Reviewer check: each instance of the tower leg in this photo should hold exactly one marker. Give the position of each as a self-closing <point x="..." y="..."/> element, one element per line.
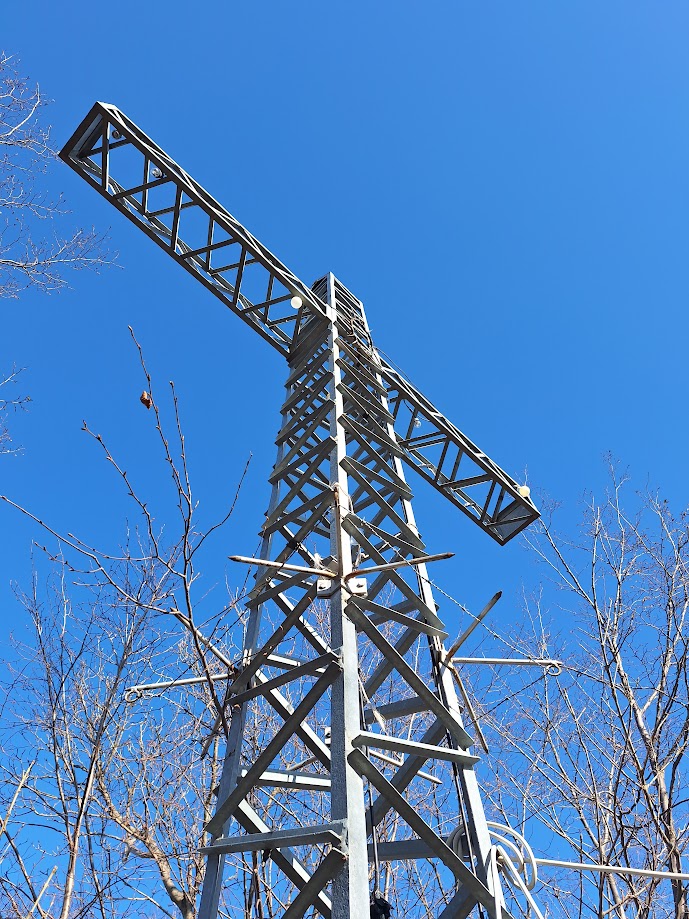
<point x="350" y="889"/>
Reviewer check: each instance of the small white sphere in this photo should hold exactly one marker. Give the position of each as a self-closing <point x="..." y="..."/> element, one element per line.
<point x="296" y="302"/>
<point x="524" y="491"/>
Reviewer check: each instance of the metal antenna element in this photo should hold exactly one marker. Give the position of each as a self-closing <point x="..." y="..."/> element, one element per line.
<point x="343" y="668"/>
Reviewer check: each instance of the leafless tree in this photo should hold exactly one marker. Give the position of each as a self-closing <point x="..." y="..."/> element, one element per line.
<point x="112" y="813"/>
<point x="36" y="248"/>
<point x="118" y="794"/>
<point x="595" y="759"/>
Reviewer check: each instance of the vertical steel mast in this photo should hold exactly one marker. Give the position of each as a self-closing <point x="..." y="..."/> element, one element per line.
<point x="344" y="718"/>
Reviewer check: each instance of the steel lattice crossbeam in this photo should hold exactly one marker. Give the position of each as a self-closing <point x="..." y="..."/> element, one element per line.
<point x="343" y="680"/>
<point x="145" y="184"/>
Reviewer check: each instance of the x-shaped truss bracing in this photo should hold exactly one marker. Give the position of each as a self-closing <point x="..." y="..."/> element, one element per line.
<point x="340" y="502"/>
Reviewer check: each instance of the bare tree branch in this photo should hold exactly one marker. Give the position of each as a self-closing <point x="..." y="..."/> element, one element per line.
<point x="35" y="250"/>
<point x="597" y="756"/>
<point x="9" y="402"/>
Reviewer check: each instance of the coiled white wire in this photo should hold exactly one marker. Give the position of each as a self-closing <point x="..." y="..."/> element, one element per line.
<point x="511" y="854"/>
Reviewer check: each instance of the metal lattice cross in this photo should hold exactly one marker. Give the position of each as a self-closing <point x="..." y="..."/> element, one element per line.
<point x="345" y="688"/>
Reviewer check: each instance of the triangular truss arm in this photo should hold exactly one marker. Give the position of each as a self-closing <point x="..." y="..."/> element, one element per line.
<point x="145" y="184"/>
<point x="151" y="189"/>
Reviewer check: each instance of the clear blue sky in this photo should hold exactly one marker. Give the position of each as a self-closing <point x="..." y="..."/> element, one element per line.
<point x="505" y="185"/>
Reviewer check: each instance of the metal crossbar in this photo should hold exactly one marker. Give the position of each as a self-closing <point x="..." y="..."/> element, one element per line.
<point x="179" y="215"/>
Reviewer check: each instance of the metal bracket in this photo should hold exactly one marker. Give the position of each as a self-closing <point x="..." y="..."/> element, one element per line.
<point x="326" y="587"/>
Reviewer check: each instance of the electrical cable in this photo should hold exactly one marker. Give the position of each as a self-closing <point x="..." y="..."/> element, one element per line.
<point x="376" y="863"/>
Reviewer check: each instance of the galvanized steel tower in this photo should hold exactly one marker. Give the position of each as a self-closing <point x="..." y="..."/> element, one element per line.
<point x="343" y="707"/>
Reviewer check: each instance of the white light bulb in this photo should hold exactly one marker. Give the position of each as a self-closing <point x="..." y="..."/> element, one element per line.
<point x="417" y="422"/>
<point x="524" y="491"/>
<point x="296" y="303"/>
